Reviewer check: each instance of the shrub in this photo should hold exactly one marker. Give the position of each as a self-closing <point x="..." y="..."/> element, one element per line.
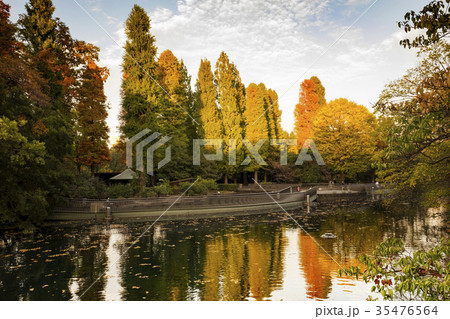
<point x="163" y="189"/>
<point x="121" y="191"/>
<point x="84" y="186"/>
<point x="149" y="192"/>
<point x="228" y="187"/>
<point x="201" y="187"/>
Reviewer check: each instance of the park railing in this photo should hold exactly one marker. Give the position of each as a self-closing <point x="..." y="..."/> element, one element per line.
<point x="289" y="194"/>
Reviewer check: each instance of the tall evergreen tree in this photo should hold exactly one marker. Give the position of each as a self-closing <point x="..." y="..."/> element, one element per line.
<point x="193" y="120"/>
<point x="140" y="103"/>
<point x="92" y="147"/>
<point x="174" y="120"/>
<point x="48" y="42"/>
<point x="172" y="79"/>
<point x="274" y="114"/>
<point x="231" y="98"/>
<point x="257" y="126"/>
<point x="206" y="99"/>
<point x="38" y="27"/>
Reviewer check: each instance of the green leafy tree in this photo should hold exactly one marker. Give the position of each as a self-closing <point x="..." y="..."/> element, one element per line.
<point x="274" y="115"/>
<point x="193" y="116"/>
<point x="231" y="98"/>
<point x="141" y="94"/>
<point x="206" y="98"/>
<point x="257" y="125"/>
<point x="401" y="275"/>
<point x="433" y="19"/>
<point x="23" y="201"/>
<point x="416" y="158"/>
<point x="38" y="26"/>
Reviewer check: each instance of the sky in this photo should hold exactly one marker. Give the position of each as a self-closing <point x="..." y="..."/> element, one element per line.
<point x="351" y="45"/>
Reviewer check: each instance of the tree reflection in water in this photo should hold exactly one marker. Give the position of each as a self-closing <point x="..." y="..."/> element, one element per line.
<point x="263" y="257"/>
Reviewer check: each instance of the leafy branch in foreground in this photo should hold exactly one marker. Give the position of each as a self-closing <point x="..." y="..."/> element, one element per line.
<point x="399" y="275"/>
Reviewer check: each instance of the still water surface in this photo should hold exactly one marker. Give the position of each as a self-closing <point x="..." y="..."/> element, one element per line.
<point x="262" y="257"/>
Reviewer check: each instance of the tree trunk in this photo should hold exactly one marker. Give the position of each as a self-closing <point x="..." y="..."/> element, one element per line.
<point x="265" y="177"/>
<point x="245" y="179"/>
<point x="255" y="177"/>
<point x="225" y="179"/>
<point x="235" y="178"/>
<point x="153" y="180"/>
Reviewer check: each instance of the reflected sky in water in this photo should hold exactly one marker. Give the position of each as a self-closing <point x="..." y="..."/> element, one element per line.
<point x="261" y="257"/>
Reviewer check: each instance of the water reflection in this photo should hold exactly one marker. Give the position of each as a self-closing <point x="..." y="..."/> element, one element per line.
<point x="264" y="257"/>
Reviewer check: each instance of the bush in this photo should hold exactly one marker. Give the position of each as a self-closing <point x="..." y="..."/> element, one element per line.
<point x="85" y="186"/>
<point x="163" y="189"/>
<point x="149" y="192"/>
<point x="228" y="187"/>
<point x="201" y="187"/>
<point x="121" y="191"/>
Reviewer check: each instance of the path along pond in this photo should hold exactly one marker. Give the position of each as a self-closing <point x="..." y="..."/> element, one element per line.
<point x="258" y="257"/>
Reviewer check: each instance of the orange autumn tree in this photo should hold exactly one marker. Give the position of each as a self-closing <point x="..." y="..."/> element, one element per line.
<point x="170" y="72"/>
<point x="92" y="147"/>
<point x="173" y="116"/>
<point x="311" y="99"/>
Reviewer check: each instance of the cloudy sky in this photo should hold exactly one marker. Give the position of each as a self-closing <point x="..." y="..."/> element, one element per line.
<point x="278" y="42"/>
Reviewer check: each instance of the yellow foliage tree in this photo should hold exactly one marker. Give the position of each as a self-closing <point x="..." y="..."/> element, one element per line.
<point x="343" y="132"/>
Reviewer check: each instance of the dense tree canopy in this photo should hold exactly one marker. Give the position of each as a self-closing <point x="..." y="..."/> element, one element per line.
<point x="418" y="147"/>
<point x="343" y="133"/>
<point x="53" y="112"/>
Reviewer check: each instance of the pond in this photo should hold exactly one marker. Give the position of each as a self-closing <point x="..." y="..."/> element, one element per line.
<point x="258" y="257"/>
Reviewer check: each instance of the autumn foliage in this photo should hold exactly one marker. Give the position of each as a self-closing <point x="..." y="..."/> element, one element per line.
<point x="311" y="99"/>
